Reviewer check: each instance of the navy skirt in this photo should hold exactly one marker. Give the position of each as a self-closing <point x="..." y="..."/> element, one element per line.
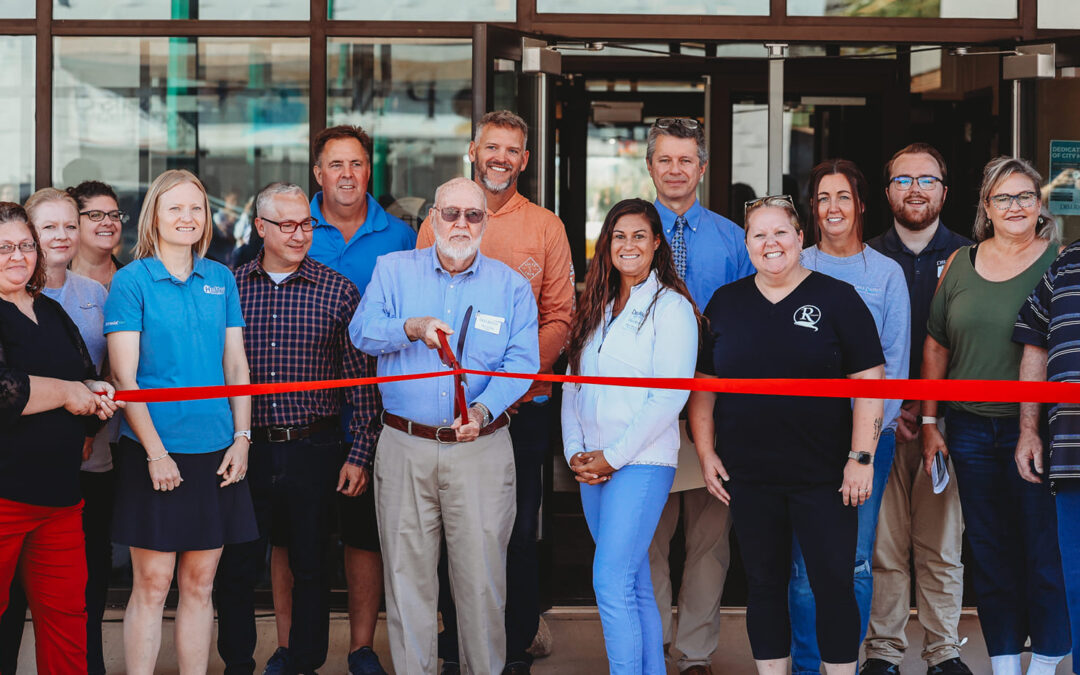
<point x="199" y="515"/>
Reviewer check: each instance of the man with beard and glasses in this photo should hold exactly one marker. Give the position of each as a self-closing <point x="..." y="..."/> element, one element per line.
<point x="440" y="471"/>
<point x="913" y="520"/>
<point x="532" y="241"/>
<point x="351" y="232"/>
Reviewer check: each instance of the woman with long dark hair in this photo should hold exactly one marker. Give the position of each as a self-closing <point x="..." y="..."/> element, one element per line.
<point x="635" y="319"/>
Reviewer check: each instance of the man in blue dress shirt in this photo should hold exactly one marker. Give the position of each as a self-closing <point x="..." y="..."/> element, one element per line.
<point x="438" y="470"/>
<point x="709" y="251"/>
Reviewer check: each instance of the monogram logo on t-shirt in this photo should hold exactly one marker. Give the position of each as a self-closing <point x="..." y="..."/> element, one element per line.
<point x="807" y="316"/>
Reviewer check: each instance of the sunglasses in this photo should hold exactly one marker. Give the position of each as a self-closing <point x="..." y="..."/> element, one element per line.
<point x="450" y="214"/>
<point x="769" y="200"/>
<point x="98" y="216"/>
<point x="688" y="123"/>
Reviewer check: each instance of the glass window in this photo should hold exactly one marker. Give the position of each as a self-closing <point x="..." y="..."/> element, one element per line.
<point x="281" y="10"/>
<point x="426" y="10"/>
<point x="17" y="123"/>
<point x="415" y="99"/>
<point x="1059" y="14"/>
<point x="17" y="9"/>
<point x="681" y="7"/>
<point x="954" y="9"/>
<point x="233" y="110"/>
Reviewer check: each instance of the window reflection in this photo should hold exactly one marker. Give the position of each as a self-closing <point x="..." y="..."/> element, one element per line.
<point x="425" y="10"/>
<point x="234" y="111"/>
<point x="273" y="10"/>
<point x="17" y="125"/>
<point x="415" y="99"/>
<point x="974" y="9"/>
<point x="681" y="7"/>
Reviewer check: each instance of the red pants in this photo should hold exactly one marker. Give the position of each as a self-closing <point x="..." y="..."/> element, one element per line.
<point x="45" y="545"/>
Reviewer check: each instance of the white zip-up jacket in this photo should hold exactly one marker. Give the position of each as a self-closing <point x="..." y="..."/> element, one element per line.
<point x="633" y="425"/>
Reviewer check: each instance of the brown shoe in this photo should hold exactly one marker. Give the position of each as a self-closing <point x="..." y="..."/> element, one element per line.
<point x="542" y="643"/>
<point x="697" y="670"/>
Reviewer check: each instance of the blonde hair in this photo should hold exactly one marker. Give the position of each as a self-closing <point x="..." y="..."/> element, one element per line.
<point x="45" y="196"/>
<point x="996" y="171"/>
<point x="147" y="244"/>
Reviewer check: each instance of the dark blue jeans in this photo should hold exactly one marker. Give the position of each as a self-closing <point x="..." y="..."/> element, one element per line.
<point x="1010" y="526"/>
<point x="1068" y="513"/>
<point x="292" y="488"/>
<point x="529" y="430"/>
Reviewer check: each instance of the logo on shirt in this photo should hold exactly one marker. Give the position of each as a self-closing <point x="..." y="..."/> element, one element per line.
<point x="941" y="267"/>
<point x="213" y="290"/>
<point x="530" y="268"/>
<point x="807" y="316"/>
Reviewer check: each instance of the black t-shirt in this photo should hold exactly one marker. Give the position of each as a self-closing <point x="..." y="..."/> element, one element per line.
<point x="822" y="329"/>
<point x="40" y="454"/>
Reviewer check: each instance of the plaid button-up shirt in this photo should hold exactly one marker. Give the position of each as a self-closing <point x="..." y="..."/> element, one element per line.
<point x="298" y="331"/>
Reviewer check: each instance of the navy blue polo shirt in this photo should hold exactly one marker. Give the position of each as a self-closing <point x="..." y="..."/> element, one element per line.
<point x="181" y="344"/>
<point x="922" y="272"/>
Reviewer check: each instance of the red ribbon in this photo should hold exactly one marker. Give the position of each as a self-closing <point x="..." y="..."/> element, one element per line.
<point x="937" y="390"/>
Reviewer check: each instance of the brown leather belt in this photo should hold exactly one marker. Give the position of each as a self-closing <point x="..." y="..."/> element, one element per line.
<point x="440" y="434"/>
<point x="283" y="434"/>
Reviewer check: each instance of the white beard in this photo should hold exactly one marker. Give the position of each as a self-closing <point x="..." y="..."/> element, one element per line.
<point x="457" y="252"/>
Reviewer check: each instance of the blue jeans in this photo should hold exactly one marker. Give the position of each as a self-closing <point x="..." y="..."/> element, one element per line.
<point x="1068" y="510"/>
<point x="622" y="515"/>
<point x="1010" y="526"/>
<point x="805" y="657"/>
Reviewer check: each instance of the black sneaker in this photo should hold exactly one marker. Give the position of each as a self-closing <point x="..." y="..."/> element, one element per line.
<point x="450" y="668"/>
<point x="953" y="666"/>
<point x="879" y="667"/>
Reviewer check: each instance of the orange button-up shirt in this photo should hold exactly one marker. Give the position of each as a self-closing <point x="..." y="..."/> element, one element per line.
<point x="532" y="241"/>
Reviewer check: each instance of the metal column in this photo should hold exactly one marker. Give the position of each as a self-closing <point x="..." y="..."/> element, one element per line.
<point x="777" y="54"/>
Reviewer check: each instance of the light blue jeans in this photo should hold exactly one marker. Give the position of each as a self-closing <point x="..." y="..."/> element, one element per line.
<point x="804" y="648"/>
<point x="622" y="515"/>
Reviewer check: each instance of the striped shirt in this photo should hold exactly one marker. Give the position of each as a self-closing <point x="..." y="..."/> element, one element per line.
<point x="1051" y="319"/>
<point x="298" y="331"/>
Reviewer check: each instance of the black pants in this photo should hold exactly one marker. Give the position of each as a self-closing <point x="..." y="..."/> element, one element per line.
<point x="98" y="490"/>
<point x="292" y="488"/>
<point x="764" y="518"/>
<point x="529" y="430"/>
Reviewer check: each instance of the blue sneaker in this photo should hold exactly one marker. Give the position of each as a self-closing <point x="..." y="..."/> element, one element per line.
<point x="365" y="661"/>
<point x="278" y="663"/>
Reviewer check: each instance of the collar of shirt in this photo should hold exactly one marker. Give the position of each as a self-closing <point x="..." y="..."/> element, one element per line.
<point x="375" y="222"/>
<point x="938" y="242"/>
<point x="158" y="272"/>
<point x="668" y="217"/>
<point x="513" y="204"/>
<point x="305" y="271"/>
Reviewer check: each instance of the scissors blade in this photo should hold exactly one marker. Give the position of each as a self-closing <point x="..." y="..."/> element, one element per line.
<point x="461" y="340"/>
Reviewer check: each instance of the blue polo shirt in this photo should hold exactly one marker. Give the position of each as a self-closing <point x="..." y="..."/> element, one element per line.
<point x="921" y="273"/>
<point x="181" y="344"/>
<point x="381" y="233"/>
<point x="715" y="250"/>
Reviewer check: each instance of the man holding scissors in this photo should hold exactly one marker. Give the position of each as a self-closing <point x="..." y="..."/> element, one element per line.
<point x="439" y="469"/>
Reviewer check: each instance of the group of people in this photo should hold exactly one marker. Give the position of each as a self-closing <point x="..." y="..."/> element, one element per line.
<point x="434" y="483"/>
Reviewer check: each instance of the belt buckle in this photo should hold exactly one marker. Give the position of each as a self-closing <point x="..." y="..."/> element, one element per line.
<point x="280" y="434"/>
<point x="438" y="432"/>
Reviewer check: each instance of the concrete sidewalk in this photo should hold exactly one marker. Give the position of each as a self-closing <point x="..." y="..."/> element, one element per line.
<point x="578" y="646"/>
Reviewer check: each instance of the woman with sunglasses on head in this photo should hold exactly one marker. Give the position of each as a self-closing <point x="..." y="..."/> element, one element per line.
<point x="173" y="319"/>
<point x="49" y="392"/>
<point x="635" y="319"/>
<point x="838" y="190"/>
<point x="100" y="225"/>
<point x="1010" y="525"/>
<point x="791" y="467"/>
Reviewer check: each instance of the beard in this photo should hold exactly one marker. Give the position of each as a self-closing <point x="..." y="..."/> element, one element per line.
<point x="914" y="219"/>
<point x="494" y="187"/>
<point x="456" y="252"/>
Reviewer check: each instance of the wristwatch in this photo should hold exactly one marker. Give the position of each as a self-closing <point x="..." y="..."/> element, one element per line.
<point x="487" y="414"/>
<point x="926" y="419"/>
<point x="861" y="457"/>
<point x="246" y="433"/>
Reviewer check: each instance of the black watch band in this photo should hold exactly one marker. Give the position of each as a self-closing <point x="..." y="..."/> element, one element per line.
<point x="861" y="457"/>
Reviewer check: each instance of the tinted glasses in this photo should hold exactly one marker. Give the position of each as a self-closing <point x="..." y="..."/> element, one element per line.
<point x="451" y="214"/>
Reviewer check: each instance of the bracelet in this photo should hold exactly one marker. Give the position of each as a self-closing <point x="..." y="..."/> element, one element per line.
<point x="162" y="456"/>
<point x="926" y="419"/>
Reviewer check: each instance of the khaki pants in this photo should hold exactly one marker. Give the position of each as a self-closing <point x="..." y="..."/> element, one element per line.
<point x="914" y="522"/>
<point x="707" y="525"/>
<point x="423" y="487"/>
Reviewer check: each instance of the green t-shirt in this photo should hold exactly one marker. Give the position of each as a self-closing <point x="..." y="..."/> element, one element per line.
<point x="973" y="318"/>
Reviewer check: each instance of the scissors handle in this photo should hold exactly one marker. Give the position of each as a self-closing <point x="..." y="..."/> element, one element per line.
<point x="449" y="359"/>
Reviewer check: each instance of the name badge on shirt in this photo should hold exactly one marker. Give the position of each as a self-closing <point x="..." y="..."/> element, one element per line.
<point x="488" y="323"/>
<point x="941" y="267"/>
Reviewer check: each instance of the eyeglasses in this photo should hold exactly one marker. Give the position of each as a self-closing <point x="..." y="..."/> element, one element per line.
<point x="289" y="226"/>
<point x="769" y="200"/>
<point x="25" y="246"/>
<point x="688" y="123"/>
<point x="1025" y="200"/>
<point x="451" y="214"/>
<point x="904" y="183"/>
<point x="98" y="216"/>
